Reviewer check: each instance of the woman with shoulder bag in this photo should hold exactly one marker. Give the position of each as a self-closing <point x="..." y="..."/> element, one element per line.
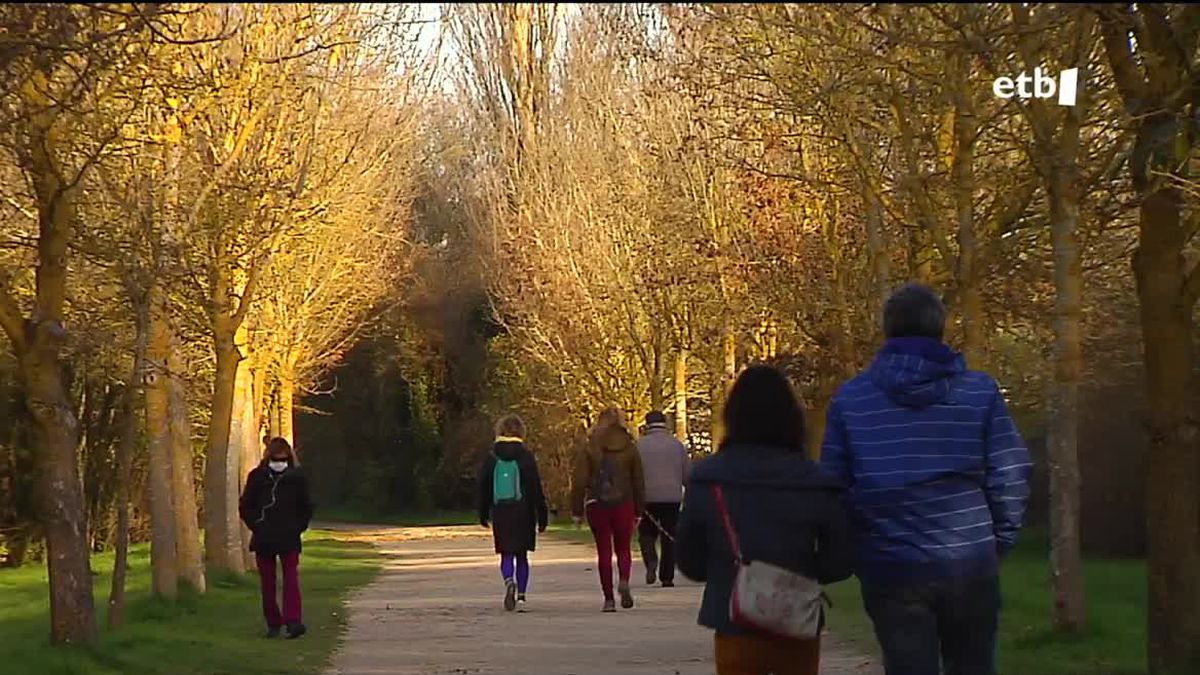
<point x="763" y="527"/>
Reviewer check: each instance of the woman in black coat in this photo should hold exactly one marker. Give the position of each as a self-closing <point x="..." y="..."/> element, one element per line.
<point x="277" y="507"/>
<point x="784" y="510"/>
<point x="512" y="501"/>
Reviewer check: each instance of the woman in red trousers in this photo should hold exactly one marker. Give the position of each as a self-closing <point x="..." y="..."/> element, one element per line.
<point x="610" y="489"/>
<point x="276" y="506"/>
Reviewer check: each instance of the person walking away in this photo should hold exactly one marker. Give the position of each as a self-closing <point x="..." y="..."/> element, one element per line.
<point x="513" y="503"/>
<point x="277" y="508"/>
<point x="665" y="463"/>
<point x="610" y="489"/>
<point x="938" y="480"/>
<point x="783" y="510"/>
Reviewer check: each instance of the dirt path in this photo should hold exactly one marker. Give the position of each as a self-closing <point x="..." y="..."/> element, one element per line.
<point x="436" y="609"/>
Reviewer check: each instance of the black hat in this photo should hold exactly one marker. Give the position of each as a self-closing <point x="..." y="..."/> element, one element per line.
<point x="655" y="418"/>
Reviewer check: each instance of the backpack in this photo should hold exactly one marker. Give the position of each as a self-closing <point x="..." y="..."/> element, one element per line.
<point x="604" y="487"/>
<point x="506" y="482"/>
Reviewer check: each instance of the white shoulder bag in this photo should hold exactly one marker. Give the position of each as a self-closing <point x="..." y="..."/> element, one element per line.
<point x="768" y="598"/>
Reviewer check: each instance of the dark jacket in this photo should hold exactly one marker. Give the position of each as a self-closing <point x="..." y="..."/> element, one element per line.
<point x="276" y="507"/>
<point x="786" y="512"/>
<point x="629" y="480"/>
<point x="937" y="473"/>
<point x="514" y="526"/>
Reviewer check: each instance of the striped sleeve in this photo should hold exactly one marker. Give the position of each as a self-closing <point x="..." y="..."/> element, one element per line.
<point x="835" y="451"/>
<point x="1007" y="471"/>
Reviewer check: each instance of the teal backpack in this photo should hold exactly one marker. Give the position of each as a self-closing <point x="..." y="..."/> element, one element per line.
<point x="506" y="482"/>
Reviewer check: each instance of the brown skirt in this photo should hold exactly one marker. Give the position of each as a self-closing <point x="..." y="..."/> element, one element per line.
<point x="761" y="655"/>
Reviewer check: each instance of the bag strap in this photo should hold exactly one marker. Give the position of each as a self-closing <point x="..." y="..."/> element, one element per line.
<point x="723" y="510"/>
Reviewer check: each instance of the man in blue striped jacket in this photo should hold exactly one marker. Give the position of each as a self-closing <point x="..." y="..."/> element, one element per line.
<point x="938" y="479"/>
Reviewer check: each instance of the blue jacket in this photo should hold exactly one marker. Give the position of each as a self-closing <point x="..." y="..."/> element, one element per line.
<point x="937" y="471"/>
<point x="786" y="512"/>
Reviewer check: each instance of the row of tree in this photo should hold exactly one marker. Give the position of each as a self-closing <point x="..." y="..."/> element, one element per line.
<point x="202" y="205"/>
<point x="657" y="195"/>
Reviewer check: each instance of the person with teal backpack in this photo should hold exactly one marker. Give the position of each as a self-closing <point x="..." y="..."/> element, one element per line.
<point x="513" y="504"/>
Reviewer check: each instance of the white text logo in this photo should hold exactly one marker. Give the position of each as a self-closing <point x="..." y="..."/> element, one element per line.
<point x="1043" y="86"/>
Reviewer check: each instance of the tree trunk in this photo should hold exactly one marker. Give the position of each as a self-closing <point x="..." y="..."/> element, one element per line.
<point x="1173" y="478"/>
<point x="274" y="412"/>
<point x="287" y="389"/>
<point x="970" y="296"/>
<point x="221" y="548"/>
<point x="242" y="435"/>
<point x="164" y="565"/>
<point x="877" y="250"/>
<point x="681" y="405"/>
<point x="58" y="490"/>
<point x="128" y="442"/>
<point x="183" y="481"/>
<point x="1063" y="429"/>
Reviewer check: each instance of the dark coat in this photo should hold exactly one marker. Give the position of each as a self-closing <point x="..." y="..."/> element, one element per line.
<point x="514" y="526"/>
<point x="786" y="512"/>
<point x="276" y="507"/>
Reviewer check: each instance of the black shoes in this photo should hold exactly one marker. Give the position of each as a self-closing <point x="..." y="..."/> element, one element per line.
<point x="273" y="632"/>
<point x="651" y="576"/>
<point x="610" y="605"/>
<point x="667" y="583"/>
<point x="295" y="630"/>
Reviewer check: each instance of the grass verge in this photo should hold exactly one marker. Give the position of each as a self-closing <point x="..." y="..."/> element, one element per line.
<point x="218" y="633"/>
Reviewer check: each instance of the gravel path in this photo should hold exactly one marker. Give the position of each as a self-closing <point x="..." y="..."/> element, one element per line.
<point x="436" y="609"/>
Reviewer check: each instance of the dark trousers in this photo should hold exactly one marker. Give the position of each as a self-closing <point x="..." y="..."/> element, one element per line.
<point x="946" y="626"/>
<point x="290" y="562"/>
<point x="667" y="516"/>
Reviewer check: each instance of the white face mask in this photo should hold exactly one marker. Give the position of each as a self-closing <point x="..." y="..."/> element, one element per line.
<point x="277" y="467"/>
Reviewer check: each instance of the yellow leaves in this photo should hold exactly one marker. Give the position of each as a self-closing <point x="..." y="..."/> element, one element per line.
<point x="177" y="69"/>
<point x="173" y="102"/>
<point x="335" y="56"/>
<point x="228" y="143"/>
<point x="173" y="133"/>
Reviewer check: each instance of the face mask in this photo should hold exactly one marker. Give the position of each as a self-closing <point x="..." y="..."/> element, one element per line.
<point x="277" y="466"/>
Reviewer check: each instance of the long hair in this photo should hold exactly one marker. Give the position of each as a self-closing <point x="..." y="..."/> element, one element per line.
<point x="608" y="419"/>
<point x="276" y="444"/>
<point x="762" y="409"/>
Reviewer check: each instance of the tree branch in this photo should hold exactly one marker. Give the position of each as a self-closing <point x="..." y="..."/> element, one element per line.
<point x="1115" y="24"/>
<point x="10" y="315"/>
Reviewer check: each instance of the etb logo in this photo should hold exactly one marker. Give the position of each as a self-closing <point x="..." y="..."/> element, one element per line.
<point x="1044" y="86"/>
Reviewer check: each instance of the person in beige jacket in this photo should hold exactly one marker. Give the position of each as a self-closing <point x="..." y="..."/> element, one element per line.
<point x="609" y="489"/>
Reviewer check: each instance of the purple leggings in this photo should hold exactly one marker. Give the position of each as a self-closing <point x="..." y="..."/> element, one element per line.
<point x="521" y="562"/>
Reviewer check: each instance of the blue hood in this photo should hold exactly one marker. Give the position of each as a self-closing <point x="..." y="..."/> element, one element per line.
<point x="915" y="372"/>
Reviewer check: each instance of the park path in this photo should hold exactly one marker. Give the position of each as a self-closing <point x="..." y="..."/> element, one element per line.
<point x="436" y="609"/>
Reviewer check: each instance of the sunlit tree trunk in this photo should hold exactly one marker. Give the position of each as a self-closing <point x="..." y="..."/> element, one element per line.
<point x="183" y="482"/>
<point x="287" y="392"/>
<point x="243" y="437"/>
<point x="681" y="403"/>
<point x="163" y="555"/>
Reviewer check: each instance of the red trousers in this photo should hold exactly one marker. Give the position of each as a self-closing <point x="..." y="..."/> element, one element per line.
<point x="291" y="588"/>
<point x="612" y="527"/>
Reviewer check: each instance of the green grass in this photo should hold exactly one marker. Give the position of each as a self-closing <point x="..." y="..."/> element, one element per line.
<point x="361" y="517"/>
<point x="1114" y="642"/>
<point x="218" y="633"/>
<point x="567" y="530"/>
